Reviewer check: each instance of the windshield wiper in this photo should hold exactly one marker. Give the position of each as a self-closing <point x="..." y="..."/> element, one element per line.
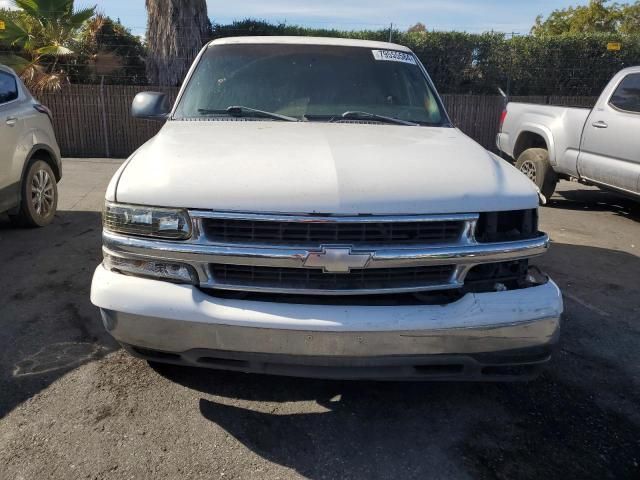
<point x="355" y="115"/>
<point x="239" y="111"/>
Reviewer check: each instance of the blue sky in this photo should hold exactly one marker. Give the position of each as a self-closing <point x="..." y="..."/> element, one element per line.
<point x="467" y="15"/>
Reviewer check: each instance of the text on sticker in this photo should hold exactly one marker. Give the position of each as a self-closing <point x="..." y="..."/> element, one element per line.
<point x="393" y="56"/>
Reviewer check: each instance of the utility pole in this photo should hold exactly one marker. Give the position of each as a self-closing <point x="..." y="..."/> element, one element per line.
<point x="390" y="32"/>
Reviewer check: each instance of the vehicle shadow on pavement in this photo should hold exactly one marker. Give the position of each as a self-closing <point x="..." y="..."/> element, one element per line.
<point x="578" y="420"/>
<point x="49" y="326"/>
<point x="595" y="200"/>
<point x="391" y="430"/>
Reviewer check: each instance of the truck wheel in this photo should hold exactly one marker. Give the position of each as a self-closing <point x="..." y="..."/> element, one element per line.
<point x="534" y="163"/>
<point x="39" y="196"/>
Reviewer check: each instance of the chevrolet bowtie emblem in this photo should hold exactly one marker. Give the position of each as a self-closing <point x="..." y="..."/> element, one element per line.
<point x="336" y="259"/>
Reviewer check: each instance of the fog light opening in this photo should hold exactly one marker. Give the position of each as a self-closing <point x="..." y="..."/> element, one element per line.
<point x="535" y="276"/>
<point x="176" y="272"/>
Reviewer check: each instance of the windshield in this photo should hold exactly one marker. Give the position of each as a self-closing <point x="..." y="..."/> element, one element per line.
<point x="310" y="82"/>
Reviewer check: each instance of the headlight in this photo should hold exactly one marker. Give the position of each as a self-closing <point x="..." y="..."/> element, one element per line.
<point x="507" y="226"/>
<point x="144" y="221"/>
<point x="160" y="270"/>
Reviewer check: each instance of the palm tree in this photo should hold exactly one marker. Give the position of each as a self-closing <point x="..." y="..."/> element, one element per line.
<point x="176" y="31"/>
<point x="46" y="31"/>
<point x="110" y="49"/>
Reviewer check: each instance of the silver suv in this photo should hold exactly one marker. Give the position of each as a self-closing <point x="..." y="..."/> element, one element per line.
<point x="30" y="165"/>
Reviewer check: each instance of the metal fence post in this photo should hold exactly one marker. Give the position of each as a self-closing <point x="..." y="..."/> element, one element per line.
<point x="105" y="129"/>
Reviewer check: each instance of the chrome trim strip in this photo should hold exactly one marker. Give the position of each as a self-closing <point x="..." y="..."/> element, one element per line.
<point x="311" y="291"/>
<point x="465" y="256"/>
<point x="199" y="236"/>
<point x="206" y="280"/>
<point x="622" y="191"/>
<point x="383" y="257"/>
<point x="306" y="218"/>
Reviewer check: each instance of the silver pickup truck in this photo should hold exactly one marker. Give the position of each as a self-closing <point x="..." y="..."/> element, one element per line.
<point x="598" y="147"/>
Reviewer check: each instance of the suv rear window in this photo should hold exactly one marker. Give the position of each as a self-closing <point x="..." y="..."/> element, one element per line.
<point x="311" y="82"/>
<point x="8" y="88"/>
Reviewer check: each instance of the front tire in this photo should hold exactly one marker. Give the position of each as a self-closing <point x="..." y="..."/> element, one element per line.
<point x="534" y="163"/>
<point x="39" y="196"/>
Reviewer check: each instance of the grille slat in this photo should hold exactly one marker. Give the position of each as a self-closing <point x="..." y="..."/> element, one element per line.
<point x="312" y="233"/>
<point x="312" y="279"/>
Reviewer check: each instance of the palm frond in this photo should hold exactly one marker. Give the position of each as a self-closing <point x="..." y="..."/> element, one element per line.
<point x="30" y="7"/>
<point x="48" y="29"/>
<point x="81" y="16"/>
<point x="55" y="50"/>
<point x="94" y="25"/>
<point x="50" y="82"/>
<point x="17" y="32"/>
<point x="46" y="9"/>
<point x="38" y="81"/>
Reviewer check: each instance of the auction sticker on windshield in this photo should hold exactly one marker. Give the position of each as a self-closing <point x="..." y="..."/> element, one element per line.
<point x="393" y="56"/>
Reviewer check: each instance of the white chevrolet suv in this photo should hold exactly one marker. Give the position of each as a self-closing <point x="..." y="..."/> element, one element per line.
<point x="308" y="209"/>
<point x="30" y="166"/>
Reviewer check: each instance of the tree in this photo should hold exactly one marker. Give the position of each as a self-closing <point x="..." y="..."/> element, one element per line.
<point x="599" y="16"/>
<point x="249" y="27"/>
<point x="109" y="49"/>
<point x="45" y="31"/>
<point x="417" y="28"/>
<point x="630" y="22"/>
<point x="9" y="54"/>
<point x="176" y="31"/>
<point x="7" y="14"/>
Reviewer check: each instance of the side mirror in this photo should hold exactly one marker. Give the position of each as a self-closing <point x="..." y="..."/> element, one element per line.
<point x="151" y="106"/>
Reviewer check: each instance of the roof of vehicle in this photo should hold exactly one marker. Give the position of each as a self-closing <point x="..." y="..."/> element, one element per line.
<point x="634" y="69"/>
<point x="342" y="42"/>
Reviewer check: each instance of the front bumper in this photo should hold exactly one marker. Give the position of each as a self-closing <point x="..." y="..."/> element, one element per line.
<point x="180" y="324"/>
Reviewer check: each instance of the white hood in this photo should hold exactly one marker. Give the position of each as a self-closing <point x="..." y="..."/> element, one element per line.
<point x="311" y="167"/>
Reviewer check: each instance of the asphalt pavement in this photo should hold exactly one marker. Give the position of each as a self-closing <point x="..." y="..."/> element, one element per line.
<point x="73" y="405"/>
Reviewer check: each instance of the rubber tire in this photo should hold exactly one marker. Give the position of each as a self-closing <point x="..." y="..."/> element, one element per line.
<point x="27" y="215"/>
<point x="545" y="178"/>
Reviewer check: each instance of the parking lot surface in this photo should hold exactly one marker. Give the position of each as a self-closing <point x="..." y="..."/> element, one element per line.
<point x="73" y="405"/>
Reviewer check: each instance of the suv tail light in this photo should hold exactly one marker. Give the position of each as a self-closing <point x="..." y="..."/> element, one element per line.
<point x="43" y="109"/>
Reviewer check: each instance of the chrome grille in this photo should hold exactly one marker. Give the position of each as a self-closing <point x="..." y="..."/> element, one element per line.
<point x="224" y="230"/>
<point x="289" y="253"/>
<point x="302" y="279"/>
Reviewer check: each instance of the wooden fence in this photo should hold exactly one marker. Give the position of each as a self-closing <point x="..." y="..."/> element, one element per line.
<point x="94" y="121"/>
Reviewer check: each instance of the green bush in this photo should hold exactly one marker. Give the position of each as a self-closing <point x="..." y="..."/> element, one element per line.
<point x="458" y="62"/>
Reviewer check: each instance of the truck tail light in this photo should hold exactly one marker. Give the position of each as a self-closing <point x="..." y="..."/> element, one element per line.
<point x="503" y="117"/>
